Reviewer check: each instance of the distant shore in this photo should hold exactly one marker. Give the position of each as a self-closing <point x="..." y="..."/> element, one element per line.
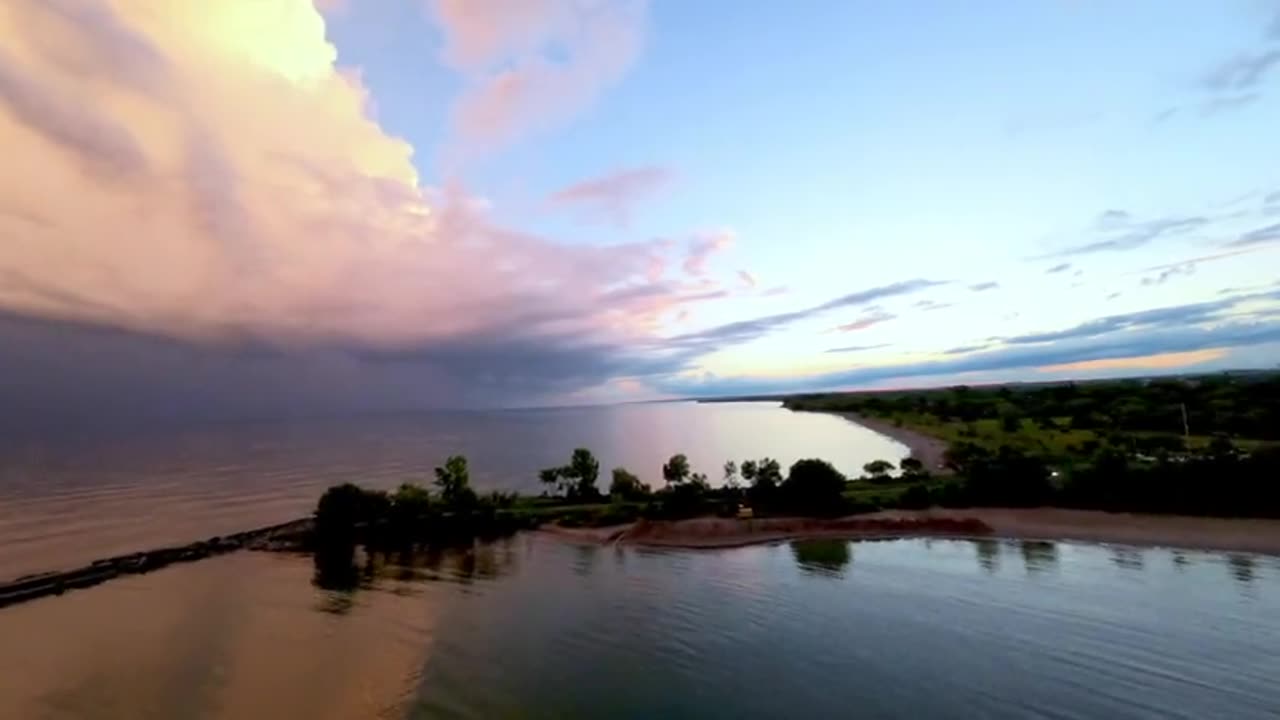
<point x="1086" y="526"/>
<point x="929" y="450"/>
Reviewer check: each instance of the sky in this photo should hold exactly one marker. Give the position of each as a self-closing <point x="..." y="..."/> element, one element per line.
<point x="303" y="206"/>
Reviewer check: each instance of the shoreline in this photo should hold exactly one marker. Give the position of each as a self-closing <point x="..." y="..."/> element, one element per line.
<point x="1093" y="527"/>
<point x="929" y="450"/>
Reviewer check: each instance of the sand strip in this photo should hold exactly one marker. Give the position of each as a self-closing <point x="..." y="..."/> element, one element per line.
<point x="925" y="448"/>
<point x="1088" y="526"/>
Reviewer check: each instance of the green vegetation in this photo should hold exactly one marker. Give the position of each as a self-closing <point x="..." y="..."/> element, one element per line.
<point x="1062" y="418"/>
<point x="1092" y="445"/>
<point x="1118" y="445"/>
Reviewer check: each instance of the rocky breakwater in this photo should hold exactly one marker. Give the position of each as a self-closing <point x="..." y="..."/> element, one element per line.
<point x="273" y="537"/>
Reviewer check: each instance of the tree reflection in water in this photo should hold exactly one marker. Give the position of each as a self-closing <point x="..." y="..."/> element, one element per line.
<point x="1243" y="568"/>
<point x="343" y="570"/>
<point x="1039" y="556"/>
<point x="988" y="552"/>
<point x="823" y="557"/>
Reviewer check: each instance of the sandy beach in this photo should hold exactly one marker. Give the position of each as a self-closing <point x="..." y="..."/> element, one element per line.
<point x="1191" y="533"/>
<point x="925" y="448"/>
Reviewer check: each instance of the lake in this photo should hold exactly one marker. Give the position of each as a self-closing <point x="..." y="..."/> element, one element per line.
<point x="533" y="627"/>
<point x="82" y="496"/>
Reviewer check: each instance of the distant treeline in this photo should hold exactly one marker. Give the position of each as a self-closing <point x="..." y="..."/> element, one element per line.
<point x="1239" y="405"/>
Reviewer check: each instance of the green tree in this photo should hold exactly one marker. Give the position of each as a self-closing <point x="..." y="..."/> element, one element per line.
<point x="676" y="470"/>
<point x="878" y="469"/>
<point x="626" y="486"/>
<point x="911" y="467"/>
<point x="340" y="509"/>
<point x="454" y="481"/>
<point x="815" y="486"/>
<point x="768" y="472"/>
<point x="551" y="477"/>
<point x="584" y="470"/>
<point x="731" y="474"/>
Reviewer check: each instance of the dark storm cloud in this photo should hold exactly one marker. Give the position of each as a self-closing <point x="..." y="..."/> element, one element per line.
<point x="59" y="371"/>
<point x="80" y="371"/>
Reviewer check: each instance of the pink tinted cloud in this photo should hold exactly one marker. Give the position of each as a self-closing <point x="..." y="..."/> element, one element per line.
<point x="613" y="196"/>
<point x="303" y="222"/>
<point x="531" y="65"/>
<point x="702" y="247"/>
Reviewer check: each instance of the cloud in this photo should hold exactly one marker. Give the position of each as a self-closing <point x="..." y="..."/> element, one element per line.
<point x="613" y="196"/>
<point x="1268" y="234"/>
<point x="1243" y="72"/>
<point x="531" y="65"/>
<point x="146" y="209"/>
<point x="1114" y="295"/>
<point x="1185" y="269"/>
<point x="748" y="280"/>
<point x="1272" y="199"/>
<point x="742" y="331"/>
<point x="983" y="286"/>
<point x="1131" y="235"/>
<point x="857" y="348"/>
<point x="1112" y="219"/>
<point x="1167" y="317"/>
<point x="930" y="305"/>
<point x="144" y="376"/>
<point x="1062" y="267"/>
<point x="869" y="319"/>
<point x="98" y="144"/>
<point x="965" y="349"/>
<point x="1164" y="116"/>
<point x="702" y="246"/>
<point x="1152" y="340"/>
<point x="1227" y="103"/>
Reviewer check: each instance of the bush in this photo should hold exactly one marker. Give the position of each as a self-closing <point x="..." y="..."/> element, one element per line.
<point x="815" y="486"/>
<point x="917" y="497"/>
<point x="626" y="486"/>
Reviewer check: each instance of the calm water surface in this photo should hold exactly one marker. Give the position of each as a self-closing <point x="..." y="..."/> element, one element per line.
<point x="536" y="628"/>
<point x="88" y="496"/>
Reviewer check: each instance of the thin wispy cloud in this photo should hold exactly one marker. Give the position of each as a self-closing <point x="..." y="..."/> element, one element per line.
<point x="613" y="196"/>
<point x="858" y="348"/>
<point x="1131" y="235"/>
<point x="867" y="320"/>
<point x="742" y="331"/>
<point x="1244" y="72"/>
<point x="984" y="286"/>
<point x="1262" y="235"/>
<point x="1059" y="268"/>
